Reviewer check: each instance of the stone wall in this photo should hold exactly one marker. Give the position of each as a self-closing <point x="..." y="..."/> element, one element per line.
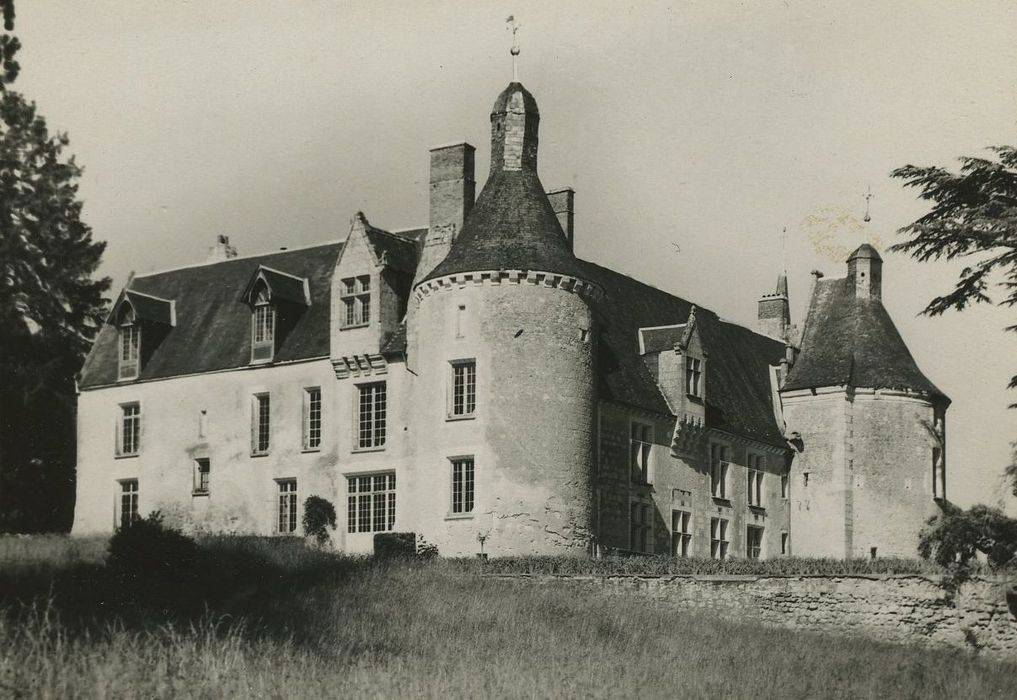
<point x="910" y="609"/>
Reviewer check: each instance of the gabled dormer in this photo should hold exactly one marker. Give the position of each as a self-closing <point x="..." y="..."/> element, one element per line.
<point x="142" y="321"/>
<point x="276" y="299"/>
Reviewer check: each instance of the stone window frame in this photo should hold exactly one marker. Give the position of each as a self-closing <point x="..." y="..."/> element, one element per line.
<point x="720" y="471"/>
<point x="462" y="397"/>
<point x="370" y="434"/>
<point x="202" y="476"/>
<point x="128" y="430"/>
<point x="641" y="436"/>
<point x="463" y="486"/>
<point x="365" y="491"/>
<point x="694" y="376"/>
<point x="355" y="301"/>
<point x="128" y="500"/>
<point x="641" y="525"/>
<point x="755" y="471"/>
<point x="785" y="543"/>
<point x="261" y="424"/>
<point x="719" y="542"/>
<point x="313" y="411"/>
<point x="753" y="542"/>
<point x="128" y="348"/>
<point x="938" y="474"/>
<point x="287" y="506"/>
<point x="681" y="536"/>
<point x="263" y="326"/>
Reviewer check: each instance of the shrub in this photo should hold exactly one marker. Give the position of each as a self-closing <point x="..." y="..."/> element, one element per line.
<point x="149" y="550"/>
<point x="425" y="549"/>
<point x="395" y="544"/>
<point x="957" y="535"/>
<point x="319" y="517"/>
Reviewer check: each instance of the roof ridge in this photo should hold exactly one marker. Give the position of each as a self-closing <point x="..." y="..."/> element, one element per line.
<point x="396" y="236"/>
<point x="239" y="257"/>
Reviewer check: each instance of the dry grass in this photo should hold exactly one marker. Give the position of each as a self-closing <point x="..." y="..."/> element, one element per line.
<point x="289" y="622"/>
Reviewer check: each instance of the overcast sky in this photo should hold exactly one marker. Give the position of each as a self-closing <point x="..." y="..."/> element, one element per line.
<point x="704" y="126"/>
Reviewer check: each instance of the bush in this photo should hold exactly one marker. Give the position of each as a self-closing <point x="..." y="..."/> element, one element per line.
<point x="149" y="550"/>
<point x="319" y="517"/>
<point x="395" y="544"/>
<point x="956" y="536"/>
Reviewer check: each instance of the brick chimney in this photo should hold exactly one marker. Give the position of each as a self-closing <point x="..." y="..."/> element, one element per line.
<point x="563" y="202"/>
<point x="773" y="316"/>
<point x="222" y="250"/>
<point x="453" y="191"/>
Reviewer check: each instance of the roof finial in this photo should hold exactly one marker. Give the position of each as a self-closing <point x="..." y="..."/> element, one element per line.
<point x="783" y="249"/>
<point x="514" y="27"/>
<point x="867" y="218"/>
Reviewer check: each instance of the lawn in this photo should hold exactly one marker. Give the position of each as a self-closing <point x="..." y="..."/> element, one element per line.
<point x="273" y="619"/>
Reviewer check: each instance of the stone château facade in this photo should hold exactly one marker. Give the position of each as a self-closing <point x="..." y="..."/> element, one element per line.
<point x="475" y="380"/>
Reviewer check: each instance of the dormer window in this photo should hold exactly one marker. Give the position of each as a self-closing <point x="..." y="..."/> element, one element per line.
<point x="355" y="294"/>
<point x="130" y="346"/>
<point x="693" y="376"/>
<point x="263" y="330"/>
<point x="133" y="312"/>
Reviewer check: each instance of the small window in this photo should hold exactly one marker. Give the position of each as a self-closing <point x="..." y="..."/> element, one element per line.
<point x="202" y="472"/>
<point x="693" y="376"/>
<point x="784" y="543"/>
<point x="938" y="474"/>
<point x="355" y="295"/>
<point x="287" y="522"/>
<point x="718" y="538"/>
<point x="753" y="542"/>
<point x="464" y="388"/>
<point x="718" y="471"/>
<point x="641" y="520"/>
<point x="263" y="330"/>
<point x="312" y="418"/>
<point x="681" y="533"/>
<point x="755" y="480"/>
<point x="261" y="425"/>
<point x="127" y="511"/>
<point x="129" y="439"/>
<point x="371" y="503"/>
<point x="371" y="416"/>
<point x="641" y="439"/>
<point x="463" y="485"/>
<point x="130" y="350"/>
<point x="785" y="486"/>
<point x="461" y="321"/>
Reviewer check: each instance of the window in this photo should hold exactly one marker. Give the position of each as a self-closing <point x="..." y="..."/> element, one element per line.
<point x="263" y="331"/>
<point x="639" y="452"/>
<point x="261" y="425"/>
<point x="693" y="376"/>
<point x="681" y="533"/>
<point x="783" y="543"/>
<point x="202" y="471"/>
<point x="355" y="294"/>
<point x="129" y="440"/>
<point x="287" y="523"/>
<point x="642" y="527"/>
<point x="463" y="485"/>
<point x="938" y="474"/>
<point x="128" y="514"/>
<point x="718" y="538"/>
<point x="371" y="416"/>
<point x="312" y="418"/>
<point x="785" y="484"/>
<point x="718" y="471"/>
<point x="753" y="541"/>
<point x="464" y="388"/>
<point x="130" y="350"/>
<point x="371" y="503"/>
<point x="755" y="480"/>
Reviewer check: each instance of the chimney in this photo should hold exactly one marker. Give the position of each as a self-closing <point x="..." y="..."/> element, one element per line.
<point x="773" y="316"/>
<point x="453" y="191"/>
<point x="563" y="202"/>
<point x="222" y="250"/>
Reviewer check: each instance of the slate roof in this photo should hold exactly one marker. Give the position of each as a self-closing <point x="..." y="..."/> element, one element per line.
<point x="213" y="330"/>
<point x="852" y="341"/>
<point x="149" y="308"/>
<point x="400" y="249"/>
<point x="511" y="227"/>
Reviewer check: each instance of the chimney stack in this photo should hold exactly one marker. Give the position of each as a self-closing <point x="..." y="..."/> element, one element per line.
<point x="222" y="250"/>
<point x="563" y="202"/>
<point x="774" y="312"/>
<point x="453" y="191"/>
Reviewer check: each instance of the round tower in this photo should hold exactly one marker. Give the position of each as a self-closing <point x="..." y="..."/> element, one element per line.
<point x="503" y="346"/>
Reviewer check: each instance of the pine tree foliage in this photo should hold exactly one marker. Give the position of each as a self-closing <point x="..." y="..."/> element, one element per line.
<point x="50" y="308"/>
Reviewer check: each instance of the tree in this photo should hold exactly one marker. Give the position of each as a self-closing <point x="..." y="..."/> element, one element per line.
<point x="957" y="535"/>
<point x="50" y="308"/>
<point x="974" y="216"/>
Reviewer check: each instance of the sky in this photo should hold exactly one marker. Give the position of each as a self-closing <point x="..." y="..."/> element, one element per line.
<point x="694" y="133"/>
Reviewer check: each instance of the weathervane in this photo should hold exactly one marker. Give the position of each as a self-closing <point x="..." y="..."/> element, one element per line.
<point x="514" y="27"/>
<point x="867" y="218"/>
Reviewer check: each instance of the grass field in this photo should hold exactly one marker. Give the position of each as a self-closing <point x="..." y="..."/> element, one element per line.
<point x="273" y="619"/>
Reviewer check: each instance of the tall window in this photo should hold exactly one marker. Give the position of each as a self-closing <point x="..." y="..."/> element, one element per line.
<point x="785" y="484"/>
<point x="287" y="522"/>
<point x="371" y="503"/>
<point x="128" y="514"/>
<point x="312" y="418"/>
<point x="129" y="440"/>
<point x="783" y="543"/>
<point x="641" y="520"/>
<point x="130" y="350"/>
<point x="263" y="331"/>
<point x="718" y="538"/>
<point x="938" y="474"/>
<point x="640" y="440"/>
<point x="718" y="470"/>
<point x="755" y="480"/>
<point x="261" y="424"/>
<point x="693" y="376"/>
<point x="202" y="475"/>
<point x="681" y="533"/>
<point x="464" y="388"/>
<point x="462" y="485"/>
<point x="753" y="541"/>
<point x="371" y="413"/>
<point x="355" y="294"/>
